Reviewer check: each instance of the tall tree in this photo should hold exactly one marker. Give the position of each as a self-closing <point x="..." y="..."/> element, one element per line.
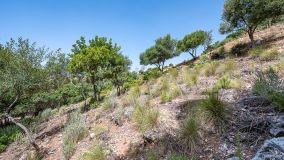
<point x="94" y="60"/>
<point x="247" y="15"/>
<point x="164" y="49"/>
<point x="56" y="67"/>
<point x="192" y="41"/>
<point x="21" y="74"/>
<point x="120" y="71"/>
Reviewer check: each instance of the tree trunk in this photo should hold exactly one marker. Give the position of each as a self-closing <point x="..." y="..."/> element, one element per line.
<point x="250" y="33"/>
<point x="12" y="105"/>
<point x="27" y="132"/>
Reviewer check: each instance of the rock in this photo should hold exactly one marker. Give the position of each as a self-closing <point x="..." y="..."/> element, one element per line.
<point x="128" y="111"/>
<point x="228" y="95"/>
<point x="272" y="149"/>
<point x="152" y="136"/>
<point x="276" y="132"/>
<point x="277" y="129"/>
<point x="234" y="158"/>
<point x="92" y="135"/>
<point x="253" y="101"/>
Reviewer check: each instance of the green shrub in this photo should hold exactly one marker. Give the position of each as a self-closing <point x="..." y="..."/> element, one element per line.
<point x="264" y="54"/>
<point x="165" y="97"/>
<point x="73" y="132"/>
<point x="145" y="117"/>
<point x="209" y="69"/>
<point x="256" y="51"/>
<point x="151" y="155"/>
<point x="94" y="152"/>
<point x="151" y="73"/>
<point x="46" y="114"/>
<point x="269" y="54"/>
<point x="190" y="131"/>
<point x="239" y="49"/>
<point x="173" y="73"/>
<point x="213" y="109"/>
<point x="8" y="135"/>
<point x="269" y="85"/>
<point x="180" y="157"/>
<point x="226" y="67"/>
<point x="223" y="83"/>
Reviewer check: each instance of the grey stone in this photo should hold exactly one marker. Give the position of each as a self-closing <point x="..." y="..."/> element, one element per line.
<point x="276" y="132"/>
<point x="253" y="101"/>
<point x="233" y="158"/>
<point x="152" y="136"/>
<point x="272" y="149"/>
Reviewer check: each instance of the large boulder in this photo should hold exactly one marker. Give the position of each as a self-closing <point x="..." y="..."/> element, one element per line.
<point x="272" y="149"/>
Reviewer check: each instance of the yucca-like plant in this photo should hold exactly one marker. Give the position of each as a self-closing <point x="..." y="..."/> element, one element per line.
<point x="213" y="109"/>
<point x="190" y="131"/>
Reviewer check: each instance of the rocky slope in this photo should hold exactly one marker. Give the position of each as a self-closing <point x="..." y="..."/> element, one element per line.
<point x="252" y="123"/>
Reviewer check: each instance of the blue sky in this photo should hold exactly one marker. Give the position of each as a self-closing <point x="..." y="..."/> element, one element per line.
<point x="133" y="24"/>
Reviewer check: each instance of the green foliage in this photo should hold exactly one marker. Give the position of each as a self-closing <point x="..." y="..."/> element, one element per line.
<point x="94" y="152"/>
<point x="210" y="68"/>
<point x="239" y="49"/>
<point x="269" y="54"/>
<point x="264" y="54"/>
<point x="269" y="85"/>
<point x="223" y="83"/>
<point x="8" y="134"/>
<point x="180" y="157"/>
<point x="190" y="131"/>
<point x="152" y="155"/>
<point x="227" y="67"/>
<point x="21" y="72"/>
<point x="213" y="109"/>
<point x="145" y="117"/>
<point x="247" y="15"/>
<point x="46" y="114"/>
<point x="74" y="131"/>
<point x="151" y="73"/>
<point x="101" y="61"/>
<point x="191" y="42"/>
<point x="166" y="97"/>
<point x="163" y="50"/>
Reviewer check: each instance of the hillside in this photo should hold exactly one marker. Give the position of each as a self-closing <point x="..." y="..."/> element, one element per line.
<point x="167" y="118"/>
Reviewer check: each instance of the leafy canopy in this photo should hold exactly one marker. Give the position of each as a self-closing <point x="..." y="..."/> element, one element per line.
<point x="247" y="15"/>
<point x="192" y="41"/>
<point x="164" y="49"/>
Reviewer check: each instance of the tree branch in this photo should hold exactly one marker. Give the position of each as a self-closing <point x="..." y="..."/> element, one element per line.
<point x="12" y="105"/>
<point x="28" y="134"/>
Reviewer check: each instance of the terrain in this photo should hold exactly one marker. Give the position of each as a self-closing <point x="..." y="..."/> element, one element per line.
<point x="116" y="127"/>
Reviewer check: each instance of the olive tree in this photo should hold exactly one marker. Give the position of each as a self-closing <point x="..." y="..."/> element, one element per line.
<point x="100" y="60"/>
<point x="192" y="41"/>
<point x="21" y="74"/>
<point x="248" y="15"/>
<point x="164" y="49"/>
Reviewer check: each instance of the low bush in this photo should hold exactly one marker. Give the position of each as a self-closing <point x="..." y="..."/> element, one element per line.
<point x="94" y="152"/>
<point x="213" y="109"/>
<point x="239" y="49"/>
<point x="264" y="54"/>
<point x="46" y="114"/>
<point x="74" y="131"/>
<point x="269" y="85"/>
<point x="269" y="54"/>
<point x="173" y="73"/>
<point x="190" y="131"/>
<point x="226" y="68"/>
<point x="180" y="157"/>
<point x="256" y="51"/>
<point x="145" y="117"/>
<point x="8" y="134"/>
<point x="209" y="69"/>
<point x="223" y="83"/>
